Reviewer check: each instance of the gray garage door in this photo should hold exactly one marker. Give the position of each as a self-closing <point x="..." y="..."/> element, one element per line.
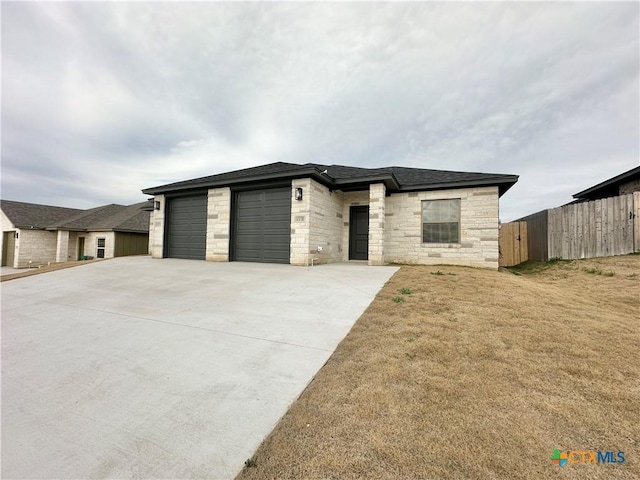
<point x="187" y="227"/>
<point x="262" y="225"/>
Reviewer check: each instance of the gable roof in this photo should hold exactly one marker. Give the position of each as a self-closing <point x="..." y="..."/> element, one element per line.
<point x="340" y="177"/>
<point x="107" y="217"/>
<point x="33" y="215"/>
<point x="131" y="218"/>
<point x="610" y="187"/>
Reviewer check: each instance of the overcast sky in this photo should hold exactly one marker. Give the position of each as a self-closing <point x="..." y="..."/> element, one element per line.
<point x="102" y="100"/>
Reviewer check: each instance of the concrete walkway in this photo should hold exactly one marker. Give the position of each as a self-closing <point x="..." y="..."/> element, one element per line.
<point x="142" y="368"/>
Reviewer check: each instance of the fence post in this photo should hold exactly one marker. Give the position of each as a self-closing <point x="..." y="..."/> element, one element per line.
<point x="636" y="221"/>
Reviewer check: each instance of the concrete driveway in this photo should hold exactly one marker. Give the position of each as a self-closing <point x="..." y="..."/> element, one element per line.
<point x="142" y="368"/>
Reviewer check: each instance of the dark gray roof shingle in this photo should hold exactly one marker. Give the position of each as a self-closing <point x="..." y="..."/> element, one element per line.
<point x="33" y="215"/>
<point x="131" y="218"/>
<point x="109" y="217"/>
<point x="341" y="176"/>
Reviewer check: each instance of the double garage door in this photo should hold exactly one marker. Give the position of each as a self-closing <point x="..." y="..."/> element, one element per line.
<point x="260" y="230"/>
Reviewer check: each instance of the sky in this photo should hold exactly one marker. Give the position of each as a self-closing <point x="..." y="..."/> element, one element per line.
<point x="101" y="100"/>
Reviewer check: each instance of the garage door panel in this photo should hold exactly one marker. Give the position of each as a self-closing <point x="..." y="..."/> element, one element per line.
<point x="263" y="225"/>
<point x="187" y="227"/>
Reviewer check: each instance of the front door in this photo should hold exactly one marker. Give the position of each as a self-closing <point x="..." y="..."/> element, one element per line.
<point x="80" y="248"/>
<point x="8" y="248"/>
<point x="359" y="233"/>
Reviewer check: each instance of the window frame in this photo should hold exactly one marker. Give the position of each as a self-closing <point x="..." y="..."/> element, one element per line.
<point x="103" y="247"/>
<point x="423" y="203"/>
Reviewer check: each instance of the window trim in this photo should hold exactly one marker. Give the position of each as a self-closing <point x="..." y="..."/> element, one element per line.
<point x="103" y="248"/>
<point x="422" y="222"/>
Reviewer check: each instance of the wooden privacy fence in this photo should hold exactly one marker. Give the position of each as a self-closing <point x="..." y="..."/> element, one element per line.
<point x="513" y="244"/>
<point x="600" y="228"/>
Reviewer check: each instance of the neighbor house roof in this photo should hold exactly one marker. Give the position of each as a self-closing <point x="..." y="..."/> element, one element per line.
<point x="340" y="177"/>
<point x="33" y="215"/>
<point x="131" y="218"/>
<point x="610" y="187"/>
<point x="108" y="217"/>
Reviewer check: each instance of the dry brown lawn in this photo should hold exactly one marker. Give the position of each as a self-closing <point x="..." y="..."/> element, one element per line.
<point x="477" y="374"/>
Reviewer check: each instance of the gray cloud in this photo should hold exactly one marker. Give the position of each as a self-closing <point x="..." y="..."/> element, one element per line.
<point x="101" y="100"/>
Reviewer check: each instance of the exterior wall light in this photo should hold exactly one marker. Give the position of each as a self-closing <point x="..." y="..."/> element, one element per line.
<point x="298" y="193"/>
<point x="157" y="205"/>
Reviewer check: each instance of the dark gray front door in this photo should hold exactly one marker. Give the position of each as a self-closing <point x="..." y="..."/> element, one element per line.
<point x="262" y="220"/>
<point x="187" y="227"/>
<point x="359" y="233"/>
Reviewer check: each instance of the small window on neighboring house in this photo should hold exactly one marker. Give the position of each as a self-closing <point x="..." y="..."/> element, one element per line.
<point x="101" y="245"/>
<point x="441" y="221"/>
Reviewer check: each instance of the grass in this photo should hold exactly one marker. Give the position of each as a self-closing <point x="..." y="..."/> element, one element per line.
<point x="480" y="374"/>
<point x="530" y="267"/>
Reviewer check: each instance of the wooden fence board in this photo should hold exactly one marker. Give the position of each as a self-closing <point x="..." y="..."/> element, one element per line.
<point x="513" y="243"/>
<point x="537" y="241"/>
<point x="636" y="221"/>
<point x="599" y="228"/>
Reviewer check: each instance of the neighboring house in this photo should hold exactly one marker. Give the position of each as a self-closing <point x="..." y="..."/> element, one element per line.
<point x="627" y="182"/>
<point x="306" y="214"/>
<point x="602" y="221"/>
<point x="35" y="235"/>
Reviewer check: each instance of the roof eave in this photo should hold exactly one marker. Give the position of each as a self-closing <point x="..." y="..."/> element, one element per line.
<point x="306" y="172"/>
<point x="389" y="179"/>
<point x="68" y="229"/>
<point x="608" y="183"/>
<point x="28" y="227"/>
<point x="131" y="230"/>
<point x="503" y="184"/>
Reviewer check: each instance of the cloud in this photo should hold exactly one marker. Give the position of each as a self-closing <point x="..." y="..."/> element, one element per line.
<point x="101" y="100"/>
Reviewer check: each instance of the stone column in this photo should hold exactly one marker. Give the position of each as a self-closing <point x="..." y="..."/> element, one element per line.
<point x="157" y="225"/>
<point x="377" y="192"/>
<point x="62" y="247"/>
<point x="218" y="224"/>
<point x="300" y="222"/>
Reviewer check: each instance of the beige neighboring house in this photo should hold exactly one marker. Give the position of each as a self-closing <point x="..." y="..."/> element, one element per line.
<point x="311" y="213"/>
<point x="34" y="235"/>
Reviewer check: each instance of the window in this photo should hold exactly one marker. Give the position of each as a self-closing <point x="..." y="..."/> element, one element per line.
<point x="101" y="244"/>
<point x="441" y="221"/>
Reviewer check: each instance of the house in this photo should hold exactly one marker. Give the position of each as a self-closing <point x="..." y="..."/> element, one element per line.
<point x="35" y="235"/>
<point x="627" y="182"/>
<point x="308" y="214"/>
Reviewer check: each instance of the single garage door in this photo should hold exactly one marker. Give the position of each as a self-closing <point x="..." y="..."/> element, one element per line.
<point x="262" y="225"/>
<point x="187" y="228"/>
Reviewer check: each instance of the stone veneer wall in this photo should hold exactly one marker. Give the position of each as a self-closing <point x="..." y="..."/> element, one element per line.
<point x="218" y="224"/>
<point x="478" y="229"/>
<point x="376" y="223"/>
<point x="300" y="221"/>
<point x="326" y="224"/>
<point x="156" y="228"/>
<point x="316" y="221"/>
<point x="629" y="187"/>
<point x="91" y="243"/>
<point x="62" y="246"/>
<point x="72" y="252"/>
<point x="37" y="246"/>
